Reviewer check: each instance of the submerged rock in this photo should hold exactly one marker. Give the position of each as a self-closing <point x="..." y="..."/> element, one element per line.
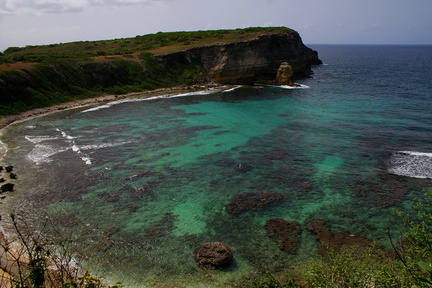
<point x="336" y="242"/>
<point x="8" y="187"/>
<point x="243" y="167"/>
<point x="252" y="202"/>
<point x="285" y="233"/>
<point x="214" y="255"/>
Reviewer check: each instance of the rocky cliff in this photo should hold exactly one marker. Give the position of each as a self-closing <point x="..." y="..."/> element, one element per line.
<point x="267" y="59"/>
<point x="250" y="62"/>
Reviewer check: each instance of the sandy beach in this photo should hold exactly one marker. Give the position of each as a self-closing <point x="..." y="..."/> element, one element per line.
<point x="8" y="263"/>
<point x="9" y="119"/>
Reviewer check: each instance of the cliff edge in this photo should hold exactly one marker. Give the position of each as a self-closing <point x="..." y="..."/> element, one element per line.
<point x="270" y="56"/>
<point x="250" y="62"/>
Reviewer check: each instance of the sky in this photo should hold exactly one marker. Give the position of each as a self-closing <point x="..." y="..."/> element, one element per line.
<point x="40" y="22"/>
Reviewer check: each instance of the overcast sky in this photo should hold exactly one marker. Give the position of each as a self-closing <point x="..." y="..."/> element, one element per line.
<point x="34" y="22"/>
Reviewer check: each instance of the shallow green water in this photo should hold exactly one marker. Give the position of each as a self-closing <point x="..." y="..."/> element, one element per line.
<point x="145" y="183"/>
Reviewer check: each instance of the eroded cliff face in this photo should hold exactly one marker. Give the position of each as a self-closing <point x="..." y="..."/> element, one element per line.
<point x="249" y="62"/>
<point x="267" y="59"/>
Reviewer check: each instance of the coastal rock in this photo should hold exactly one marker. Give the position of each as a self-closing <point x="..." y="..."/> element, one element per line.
<point x="241" y="62"/>
<point x="335" y="242"/>
<point x="252" y="202"/>
<point x="8" y="187"/>
<point x="242" y="167"/>
<point x="285" y="74"/>
<point x="285" y="233"/>
<point x="249" y="62"/>
<point x="214" y="255"/>
<point x="113" y="198"/>
<point x="9" y="169"/>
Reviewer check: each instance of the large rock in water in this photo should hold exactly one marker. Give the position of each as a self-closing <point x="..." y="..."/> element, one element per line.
<point x="214" y="255"/>
<point x="8" y="187"/>
<point x="285" y="74"/>
<point x="248" y="62"/>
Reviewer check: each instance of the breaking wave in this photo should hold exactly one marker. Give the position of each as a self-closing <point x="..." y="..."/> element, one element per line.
<point x="39" y="139"/>
<point x="3" y="150"/>
<point x="108" y="105"/>
<point x="232" y="89"/>
<point x="42" y="153"/>
<point x="411" y="164"/>
<point x="298" y="86"/>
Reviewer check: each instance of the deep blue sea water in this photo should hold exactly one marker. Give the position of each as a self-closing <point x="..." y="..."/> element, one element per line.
<point x="139" y="185"/>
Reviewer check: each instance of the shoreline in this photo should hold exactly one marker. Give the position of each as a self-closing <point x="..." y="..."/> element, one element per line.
<point x="7" y="120"/>
<point x="6" y="238"/>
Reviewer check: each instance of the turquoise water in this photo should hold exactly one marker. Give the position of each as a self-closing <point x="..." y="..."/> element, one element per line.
<point x="139" y="185"/>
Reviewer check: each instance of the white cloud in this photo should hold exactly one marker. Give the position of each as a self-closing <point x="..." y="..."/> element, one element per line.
<point x="38" y="7"/>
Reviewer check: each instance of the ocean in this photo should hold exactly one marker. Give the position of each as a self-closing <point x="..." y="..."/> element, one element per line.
<point x="138" y="185"/>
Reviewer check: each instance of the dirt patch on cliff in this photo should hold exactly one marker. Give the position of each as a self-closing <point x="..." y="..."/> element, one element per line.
<point x="18" y="65"/>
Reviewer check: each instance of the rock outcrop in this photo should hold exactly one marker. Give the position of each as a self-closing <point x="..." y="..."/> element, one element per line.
<point x="335" y="242"/>
<point x="214" y="255"/>
<point x="254" y="201"/>
<point x="275" y="59"/>
<point x="250" y="62"/>
<point x="285" y="74"/>
<point x="285" y="233"/>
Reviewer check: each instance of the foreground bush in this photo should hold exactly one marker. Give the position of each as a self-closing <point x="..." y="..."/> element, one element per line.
<point x="34" y="260"/>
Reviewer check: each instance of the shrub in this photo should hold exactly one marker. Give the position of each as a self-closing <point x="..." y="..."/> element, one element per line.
<point x="270" y="282"/>
<point x="415" y="248"/>
<point x="354" y="267"/>
<point x="39" y="261"/>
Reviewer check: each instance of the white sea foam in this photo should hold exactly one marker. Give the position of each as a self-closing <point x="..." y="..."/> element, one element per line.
<point x="298" y="86"/>
<point x="232" y="89"/>
<point x="104" y="145"/>
<point x="75" y="148"/>
<point x="3" y="150"/>
<point x="41" y="153"/>
<point x="39" y="139"/>
<point x="412" y="164"/>
<point x="108" y="105"/>
<point x="64" y="135"/>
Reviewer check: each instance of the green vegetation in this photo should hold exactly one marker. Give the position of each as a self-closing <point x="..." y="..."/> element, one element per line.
<point x="415" y="249"/>
<point x="62" y="81"/>
<point x="60" y="73"/>
<point x="408" y="265"/>
<point x="347" y="267"/>
<point x="40" y="261"/>
<point x="170" y="41"/>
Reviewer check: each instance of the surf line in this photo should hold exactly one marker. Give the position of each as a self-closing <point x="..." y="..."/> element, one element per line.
<point x="75" y="148"/>
<point x="411" y="164"/>
<point x="3" y="150"/>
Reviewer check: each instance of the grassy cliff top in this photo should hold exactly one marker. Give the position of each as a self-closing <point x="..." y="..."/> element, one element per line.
<point x="159" y="43"/>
